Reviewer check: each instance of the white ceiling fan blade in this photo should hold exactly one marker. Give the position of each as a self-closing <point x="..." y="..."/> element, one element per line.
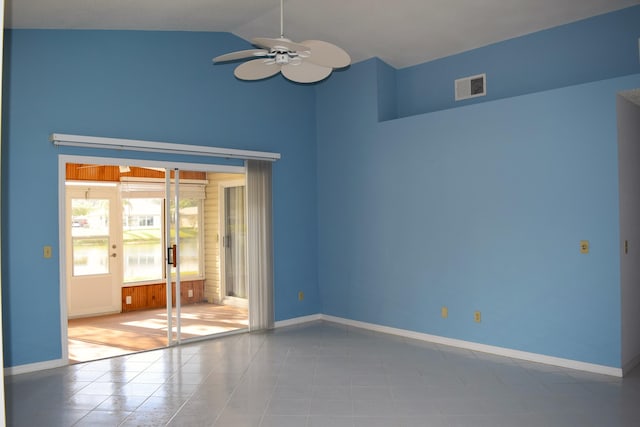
<point x="305" y="72"/>
<point x="241" y="54"/>
<point x="256" y="70"/>
<point x="327" y="54"/>
<point x="281" y="43"/>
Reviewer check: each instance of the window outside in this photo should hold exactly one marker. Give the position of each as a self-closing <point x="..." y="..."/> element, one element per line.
<point x="143" y="228"/>
<point x="142" y="239"/>
<point x="90" y="236"/>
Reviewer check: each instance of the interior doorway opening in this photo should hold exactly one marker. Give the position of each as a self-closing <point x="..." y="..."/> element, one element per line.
<point x="123" y="293"/>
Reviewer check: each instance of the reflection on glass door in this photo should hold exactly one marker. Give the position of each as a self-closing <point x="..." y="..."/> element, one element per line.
<point x="234" y="244"/>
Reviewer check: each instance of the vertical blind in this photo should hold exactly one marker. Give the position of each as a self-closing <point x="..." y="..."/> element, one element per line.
<point x="260" y="247"/>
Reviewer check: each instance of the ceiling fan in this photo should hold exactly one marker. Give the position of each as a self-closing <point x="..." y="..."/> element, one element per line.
<point x="306" y="62"/>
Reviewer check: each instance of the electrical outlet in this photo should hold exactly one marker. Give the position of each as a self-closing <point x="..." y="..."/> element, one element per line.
<point x="300" y="296"/>
<point x="444" y="312"/>
<point x="477" y="316"/>
<point x="128" y="299"/>
<point x="190" y="293"/>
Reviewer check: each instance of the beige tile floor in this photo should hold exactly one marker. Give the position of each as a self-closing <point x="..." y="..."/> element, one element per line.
<point x="319" y="374"/>
<point x="93" y="338"/>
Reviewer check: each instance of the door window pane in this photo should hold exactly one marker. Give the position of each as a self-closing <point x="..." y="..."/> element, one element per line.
<point x="190" y="239"/>
<point x="142" y="239"/>
<point x="90" y="236"/>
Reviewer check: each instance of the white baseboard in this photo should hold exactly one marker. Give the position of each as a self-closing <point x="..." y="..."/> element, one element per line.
<point x="33" y="367"/>
<point x="40" y="366"/>
<point x="83" y="315"/>
<point x="298" y="320"/>
<point x="499" y="351"/>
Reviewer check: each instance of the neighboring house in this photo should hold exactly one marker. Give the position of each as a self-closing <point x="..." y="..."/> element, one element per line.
<point x="391" y="199"/>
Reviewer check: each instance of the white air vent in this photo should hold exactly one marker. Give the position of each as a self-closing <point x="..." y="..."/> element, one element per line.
<point x="471" y="87"/>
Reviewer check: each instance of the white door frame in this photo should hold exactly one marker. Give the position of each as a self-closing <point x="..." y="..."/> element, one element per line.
<point x="2" y="399"/>
<point x="63" y="159"/>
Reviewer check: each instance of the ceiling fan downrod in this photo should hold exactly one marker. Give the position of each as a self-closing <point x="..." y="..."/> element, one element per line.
<point x="281" y="19"/>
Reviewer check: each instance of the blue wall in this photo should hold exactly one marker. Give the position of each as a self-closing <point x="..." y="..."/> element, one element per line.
<point x="476" y="208"/>
<point x="142" y="85"/>
<point x="481" y="207"/>
<point x="598" y="48"/>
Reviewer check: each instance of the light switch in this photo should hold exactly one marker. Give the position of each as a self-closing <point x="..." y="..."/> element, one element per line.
<point x="47" y="251"/>
<point x="584" y="246"/>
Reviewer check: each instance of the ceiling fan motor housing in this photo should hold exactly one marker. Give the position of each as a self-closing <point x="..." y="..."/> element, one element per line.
<point x="282" y="58"/>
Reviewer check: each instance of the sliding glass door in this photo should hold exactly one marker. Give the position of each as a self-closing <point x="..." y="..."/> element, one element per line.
<point x="234" y="237"/>
<point x="158" y="246"/>
<point x="196" y="312"/>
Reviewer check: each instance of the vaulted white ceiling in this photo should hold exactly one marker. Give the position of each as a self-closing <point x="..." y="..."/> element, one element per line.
<point x="400" y="32"/>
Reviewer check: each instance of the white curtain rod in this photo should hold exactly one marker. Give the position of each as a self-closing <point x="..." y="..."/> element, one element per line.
<point x="159" y="147"/>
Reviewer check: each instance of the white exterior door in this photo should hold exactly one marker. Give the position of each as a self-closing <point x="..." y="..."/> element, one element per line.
<point x="93" y="224"/>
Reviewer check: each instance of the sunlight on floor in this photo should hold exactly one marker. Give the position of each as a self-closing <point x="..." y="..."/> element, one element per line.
<point x="114" y="335"/>
<point x="82" y="351"/>
<point x="148" y="324"/>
